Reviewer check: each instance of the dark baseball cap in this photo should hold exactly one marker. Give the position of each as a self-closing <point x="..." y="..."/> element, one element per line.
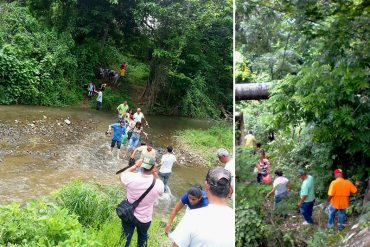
<point x="217" y="176"/>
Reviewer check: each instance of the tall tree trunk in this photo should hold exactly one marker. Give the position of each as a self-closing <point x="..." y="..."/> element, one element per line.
<point x="156" y="80"/>
<point x="104" y="38"/>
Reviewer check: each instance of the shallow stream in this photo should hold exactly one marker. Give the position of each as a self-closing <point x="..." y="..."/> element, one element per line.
<point x="39" y="152"/>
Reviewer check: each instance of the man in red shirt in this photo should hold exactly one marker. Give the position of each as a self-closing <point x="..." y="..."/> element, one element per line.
<point x="339" y="191"/>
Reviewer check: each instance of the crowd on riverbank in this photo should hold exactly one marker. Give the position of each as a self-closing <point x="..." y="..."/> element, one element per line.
<point x="208" y="219"/>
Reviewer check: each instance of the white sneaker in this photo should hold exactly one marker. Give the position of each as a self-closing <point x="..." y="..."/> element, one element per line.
<point x="305" y="223"/>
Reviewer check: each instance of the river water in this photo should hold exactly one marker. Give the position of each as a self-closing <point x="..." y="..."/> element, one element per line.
<point x="39" y="153"/>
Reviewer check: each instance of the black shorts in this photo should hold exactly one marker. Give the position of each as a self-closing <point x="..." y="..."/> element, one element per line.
<point x="114" y="143"/>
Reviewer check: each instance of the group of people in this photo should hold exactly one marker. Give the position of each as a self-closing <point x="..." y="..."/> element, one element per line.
<point x="338" y="194"/>
<point x="206" y="208"/>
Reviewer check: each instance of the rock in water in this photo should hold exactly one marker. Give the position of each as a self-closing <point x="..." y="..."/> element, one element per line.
<point x="67" y="121"/>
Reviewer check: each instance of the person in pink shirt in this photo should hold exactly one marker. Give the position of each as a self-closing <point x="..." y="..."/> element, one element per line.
<point x="136" y="184"/>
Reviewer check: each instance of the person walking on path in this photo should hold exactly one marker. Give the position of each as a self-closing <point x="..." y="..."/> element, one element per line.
<point x="118" y="130"/>
<point x="99" y="99"/>
<point x="280" y="187"/>
<point x="122" y="110"/>
<point x="213" y="225"/>
<point x="139" y="116"/>
<point x="339" y="191"/>
<point x="166" y="164"/>
<point x="307" y="195"/>
<point x="250" y="140"/>
<point x="194" y="198"/>
<point x="136" y="184"/>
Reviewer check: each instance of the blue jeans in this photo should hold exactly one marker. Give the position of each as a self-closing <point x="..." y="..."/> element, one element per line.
<point x="142" y="232"/>
<point x="341" y="217"/>
<point x="133" y="143"/>
<point x="164" y="177"/>
<point x="306" y="210"/>
<point x="279" y="198"/>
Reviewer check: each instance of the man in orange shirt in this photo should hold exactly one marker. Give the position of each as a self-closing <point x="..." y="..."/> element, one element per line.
<point x="339" y="191"/>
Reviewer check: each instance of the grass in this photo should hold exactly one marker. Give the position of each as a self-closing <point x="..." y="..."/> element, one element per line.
<point x="81" y="214"/>
<point x="206" y="142"/>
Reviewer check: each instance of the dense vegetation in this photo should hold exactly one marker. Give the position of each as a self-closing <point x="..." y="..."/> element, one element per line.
<point x="79" y="214"/>
<point x="181" y="51"/>
<point x="317" y="55"/>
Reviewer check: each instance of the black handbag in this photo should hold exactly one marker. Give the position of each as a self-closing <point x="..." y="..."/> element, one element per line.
<point x="125" y="210"/>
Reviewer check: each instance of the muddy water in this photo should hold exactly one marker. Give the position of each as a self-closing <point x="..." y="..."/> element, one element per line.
<point x="39" y="152"/>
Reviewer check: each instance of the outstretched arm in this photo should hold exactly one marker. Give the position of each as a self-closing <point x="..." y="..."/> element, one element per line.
<point x="133" y="153"/>
<point x="270" y="193"/>
<point x="173" y="214"/>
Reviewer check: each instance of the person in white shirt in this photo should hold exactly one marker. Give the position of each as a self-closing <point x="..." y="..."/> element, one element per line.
<point x="99" y="99"/>
<point x="281" y="186"/>
<point x="138" y="116"/>
<point x="166" y="164"/>
<point x="213" y="225"/>
<point x="224" y="156"/>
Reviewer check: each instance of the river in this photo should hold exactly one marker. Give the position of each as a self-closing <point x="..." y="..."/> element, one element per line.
<point x="39" y="152"/>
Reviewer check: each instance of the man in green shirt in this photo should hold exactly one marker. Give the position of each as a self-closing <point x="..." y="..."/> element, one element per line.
<point x="122" y="109"/>
<point x="307" y="195"/>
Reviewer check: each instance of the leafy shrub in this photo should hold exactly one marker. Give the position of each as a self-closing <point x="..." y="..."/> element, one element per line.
<point x="42" y="224"/>
<point x="250" y="230"/>
<point x="94" y="204"/>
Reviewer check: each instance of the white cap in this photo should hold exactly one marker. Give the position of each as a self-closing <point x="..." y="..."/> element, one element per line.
<point x="222" y="152"/>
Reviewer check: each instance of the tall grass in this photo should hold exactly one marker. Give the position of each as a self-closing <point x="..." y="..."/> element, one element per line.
<point x="92" y="203"/>
<point x="206" y="142"/>
<point x="83" y="215"/>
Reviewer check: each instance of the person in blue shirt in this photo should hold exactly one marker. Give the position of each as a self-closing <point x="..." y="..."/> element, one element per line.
<point x="119" y="129"/>
<point x="194" y="198"/>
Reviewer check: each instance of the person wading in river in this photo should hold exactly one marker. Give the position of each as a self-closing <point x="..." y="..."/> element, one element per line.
<point x="139" y="116"/>
<point x="118" y="130"/>
<point x="136" y="184"/>
<point x="122" y="110"/>
<point x="166" y="164"/>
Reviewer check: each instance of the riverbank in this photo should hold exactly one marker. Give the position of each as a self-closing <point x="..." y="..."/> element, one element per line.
<point x="201" y="145"/>
<point x="79" y="214"/>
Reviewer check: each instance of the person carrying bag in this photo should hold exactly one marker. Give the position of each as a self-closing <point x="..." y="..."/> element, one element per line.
<point x="142" y="190"/>
<point x="125" y="210"/>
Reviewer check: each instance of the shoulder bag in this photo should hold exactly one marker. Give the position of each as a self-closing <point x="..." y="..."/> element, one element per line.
<point x="125" y="210"/>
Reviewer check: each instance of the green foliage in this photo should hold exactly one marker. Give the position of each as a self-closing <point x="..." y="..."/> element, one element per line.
<point x="84" y="216"/>
<point x="206" y="142"/>
<point x="195" y="104"/>
<point x="94" y="204"/>
<point x="36" y="63"/>
<point x="250" y="229"/>
<point x="42" y="224"/>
